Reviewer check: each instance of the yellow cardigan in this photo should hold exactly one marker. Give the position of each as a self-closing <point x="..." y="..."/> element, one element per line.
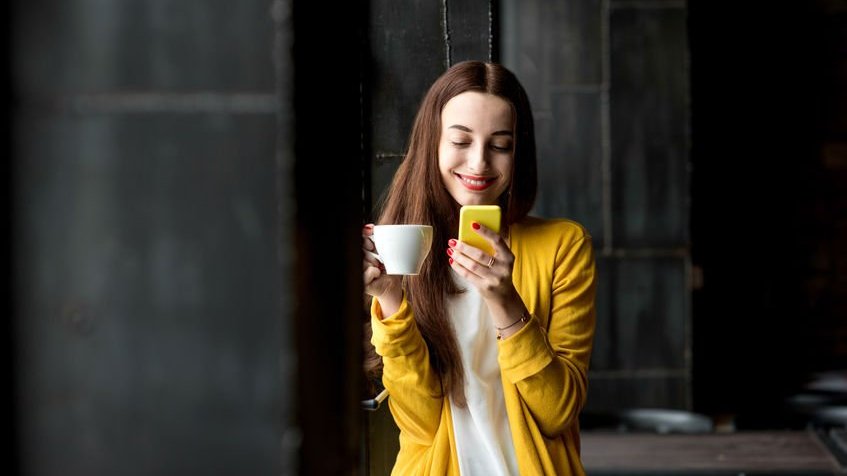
<point x="543" y="366"/>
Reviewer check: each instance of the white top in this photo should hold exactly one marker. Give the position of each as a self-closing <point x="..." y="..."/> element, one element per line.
<point x="483" y="439"/>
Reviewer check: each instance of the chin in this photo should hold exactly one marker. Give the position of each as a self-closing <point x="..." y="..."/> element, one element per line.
<point x="477" y="201"/>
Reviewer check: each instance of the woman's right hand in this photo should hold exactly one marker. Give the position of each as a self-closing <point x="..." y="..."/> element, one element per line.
<point x="388" y="289"/>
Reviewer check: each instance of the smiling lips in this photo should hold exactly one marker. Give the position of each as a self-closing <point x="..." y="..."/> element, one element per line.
<point x="475" y="182"/>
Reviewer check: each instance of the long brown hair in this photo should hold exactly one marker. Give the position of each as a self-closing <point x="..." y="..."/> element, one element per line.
<point x="418" y="195"/>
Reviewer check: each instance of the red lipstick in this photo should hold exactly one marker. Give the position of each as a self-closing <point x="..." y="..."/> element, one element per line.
<point x="476" y="183"/>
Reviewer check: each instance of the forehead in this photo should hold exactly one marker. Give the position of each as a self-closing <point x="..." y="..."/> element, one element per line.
<point x="478" y="111"/>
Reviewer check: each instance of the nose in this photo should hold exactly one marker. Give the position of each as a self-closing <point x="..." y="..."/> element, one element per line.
<point x="478" y="159"/>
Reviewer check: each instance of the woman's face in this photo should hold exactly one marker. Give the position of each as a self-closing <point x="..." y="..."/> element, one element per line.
<point x="476" y="149"/>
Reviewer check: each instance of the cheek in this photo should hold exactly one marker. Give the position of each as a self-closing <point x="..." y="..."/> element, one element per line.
<point x="442" y="158"/>
<point x="446" y="160"/>
<point x="505" y="167"/>
<point x="444" y="166"/>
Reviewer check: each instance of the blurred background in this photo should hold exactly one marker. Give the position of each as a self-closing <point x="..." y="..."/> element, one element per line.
<point x="181" y="173"/>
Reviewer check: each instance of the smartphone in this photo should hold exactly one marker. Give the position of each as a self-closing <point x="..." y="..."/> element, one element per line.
<point x="487" y="215"/>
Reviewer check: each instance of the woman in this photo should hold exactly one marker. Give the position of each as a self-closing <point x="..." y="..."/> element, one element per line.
<point x="485" y="357"/>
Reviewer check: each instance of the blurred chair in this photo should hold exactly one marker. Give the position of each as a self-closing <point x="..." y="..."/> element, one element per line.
<point x="833" y="382"/>
<point x="661" y="420"/>
<point x="830" y="417"/>
<point x="647" y="420"/>
<point x="822" y="403"/>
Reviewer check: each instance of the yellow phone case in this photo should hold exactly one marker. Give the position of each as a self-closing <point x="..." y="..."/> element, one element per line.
<point x="487" y="215"/>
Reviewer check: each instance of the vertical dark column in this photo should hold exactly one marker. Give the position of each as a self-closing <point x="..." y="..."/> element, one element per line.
<point x="327" y="231"/>
<point x="150" y="237"/>
<point x="470" y="30"/>
<point x="649" y="167"/>
<point x="8" y="328"/>
<point x="282" y="58"/>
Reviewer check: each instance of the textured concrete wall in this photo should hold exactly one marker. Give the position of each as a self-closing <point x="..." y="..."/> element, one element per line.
<point x="152" y="332"/>
<point x="608" y="80"/>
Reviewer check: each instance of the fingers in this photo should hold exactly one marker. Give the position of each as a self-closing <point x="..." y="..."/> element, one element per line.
<point x="369" y="261"/>
<point x="466" y="267"/>
<point x="483" y="230"/>
<point x="381" y="285"/>
<point x="460" y="261"/>
<point x="377" y="282"/>
<point x="468" y="260"/>
<point x="371" y="266"/>
<point x="367" y="242"/>
<point x="370" y="275"/>
<point x="490" y="236"/>
<point x="369" y="249"/>
<point x="497" y="242"/>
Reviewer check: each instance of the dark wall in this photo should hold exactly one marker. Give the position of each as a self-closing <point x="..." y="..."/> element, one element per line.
<point x="151" y="269"/>
<point x="609" y="86"/>
<point x="8" y="330"/>
<point x="768" y="203"/>
<point x="704" y="149"/>
<point x="184" y="300"/>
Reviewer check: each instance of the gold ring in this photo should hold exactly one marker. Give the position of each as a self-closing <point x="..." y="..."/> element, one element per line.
<point x="491" y="262"/>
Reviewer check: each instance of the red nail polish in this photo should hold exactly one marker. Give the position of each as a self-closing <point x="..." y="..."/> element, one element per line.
<point x="475" y="225"/>
<point x="451" y="242"/>
<point x="449" y="252"/>
<point x="450" y="260"/>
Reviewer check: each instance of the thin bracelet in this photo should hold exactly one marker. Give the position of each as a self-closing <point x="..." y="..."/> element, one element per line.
<point x="524" y="318"/>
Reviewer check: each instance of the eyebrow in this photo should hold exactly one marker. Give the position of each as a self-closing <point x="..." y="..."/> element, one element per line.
<point x="466" y="129"/>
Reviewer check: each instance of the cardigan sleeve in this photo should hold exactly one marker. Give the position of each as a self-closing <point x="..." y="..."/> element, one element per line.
<point x="549" y="367"/>
<point x="415" y="396"/>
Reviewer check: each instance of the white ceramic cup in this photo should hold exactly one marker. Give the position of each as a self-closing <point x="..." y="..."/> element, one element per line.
<point x="402" y="248"/>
